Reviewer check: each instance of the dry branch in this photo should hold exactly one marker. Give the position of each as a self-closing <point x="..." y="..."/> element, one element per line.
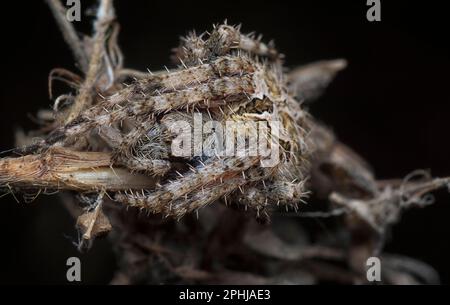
<point x="65" y="169"/>
<point x="69" y="33"/>
<point x="308" y="82"/>
<point x="105" y="16"/>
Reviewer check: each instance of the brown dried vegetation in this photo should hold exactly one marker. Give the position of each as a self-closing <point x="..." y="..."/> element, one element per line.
<point x="110" y="143"/>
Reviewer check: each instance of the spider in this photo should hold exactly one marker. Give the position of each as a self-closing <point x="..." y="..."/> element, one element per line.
<point x="225" y="76"/>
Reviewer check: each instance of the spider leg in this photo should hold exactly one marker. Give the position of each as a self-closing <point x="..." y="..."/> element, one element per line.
<point x="182" y="78"/>
<point x="151" y="166"/>
<point x="223" y="40"/>
<point x="212" y="171"/>
<point x="214" y="93"/>
<point x="212" y="193"/>
<point x="225" y="78"/>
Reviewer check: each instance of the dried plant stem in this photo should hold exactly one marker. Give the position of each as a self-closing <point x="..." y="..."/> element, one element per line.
<point x="105" y="15"/>
<point x="69" y="33"/>
<point x="64" y="169"/>
<point x="309" y="81"/>
<point x="88" y="234"/>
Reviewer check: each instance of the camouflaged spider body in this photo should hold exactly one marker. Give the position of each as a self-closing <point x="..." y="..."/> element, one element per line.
<point x="224" y="75"/>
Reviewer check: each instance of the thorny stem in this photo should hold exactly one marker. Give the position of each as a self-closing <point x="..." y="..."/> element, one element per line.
<point x="69" y="33"/>
<point x="105" y="15"/>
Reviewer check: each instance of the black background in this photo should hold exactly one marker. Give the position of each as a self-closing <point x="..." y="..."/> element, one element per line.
<point x="391" y="104"/>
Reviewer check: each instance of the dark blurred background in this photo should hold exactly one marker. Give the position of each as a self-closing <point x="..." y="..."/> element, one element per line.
<point x="391" y="104"/>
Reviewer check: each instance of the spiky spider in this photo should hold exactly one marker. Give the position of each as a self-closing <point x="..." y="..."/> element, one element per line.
<point x="226" y="76"/>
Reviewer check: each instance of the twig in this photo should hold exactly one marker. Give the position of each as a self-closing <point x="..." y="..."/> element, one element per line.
<point x="105" y="15"/>
<point x="410" y="266"/>
<point x="69" y="33"/>
<point x="383" y="210"/>
<point x="98" y="207"/>
<point x="63" y="169"/>
<point x="308" y="82"/>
